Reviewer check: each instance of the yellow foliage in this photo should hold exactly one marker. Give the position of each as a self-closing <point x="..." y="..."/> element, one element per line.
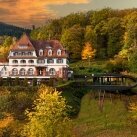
<point x="88" y="51"/>
<point x="4" y="51"/>
<point x="49" y="115"/>
<point x="6" y="121"/>
<point x="123" y="53"/>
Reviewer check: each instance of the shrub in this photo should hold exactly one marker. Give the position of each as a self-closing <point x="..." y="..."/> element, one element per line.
<point x="49" y="117"/>
<point x="117" y="65"/>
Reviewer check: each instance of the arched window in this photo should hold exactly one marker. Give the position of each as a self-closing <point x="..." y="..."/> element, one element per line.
<point x="40" y="52"/>
<point x="23" y="61"/>
<point x="50" y="52"/>
<point x="4" y="71"/>
<point x="30" y="71"/>
<point x="22" y="72"/>
<point x="52" y="71"/>
<point x="59" y="52"/>
<point x="15" y="61"/>
<point x="31" y="61"/>
<point x="14" y="72"/>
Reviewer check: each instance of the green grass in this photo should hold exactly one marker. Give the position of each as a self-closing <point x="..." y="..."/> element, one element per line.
<point x="113" y="121"/>
<point x="84" y="67"/>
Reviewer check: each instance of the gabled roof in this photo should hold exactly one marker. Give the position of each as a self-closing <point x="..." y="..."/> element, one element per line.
<point x="36" y="45"/>
<point x="49" y="44"/>
<point x="23" y="41"/>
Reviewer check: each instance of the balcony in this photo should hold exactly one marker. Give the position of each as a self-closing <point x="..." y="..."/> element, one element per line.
<point x="40" y="65"/>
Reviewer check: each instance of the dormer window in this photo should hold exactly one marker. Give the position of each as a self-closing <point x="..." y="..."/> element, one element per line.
<point x="48" y="46"/>
<point x="40" y="52"/>
<point x="59" y="52"/>
<point x="50" y="52"/>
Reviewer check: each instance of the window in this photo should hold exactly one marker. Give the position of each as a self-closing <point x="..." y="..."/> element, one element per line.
<point x="14" y="72"/>
<point x="15" y="53"/>
<point x="22" y="46"/>
<point x="59" y="52"/>
<point x="19" y="53"/>
<point x="23" y="53"/>
<point x="52" y="71"/>
<point x="30" y="53"/>
<point x="23" y="61"/>
<point x="50" y="52"/>
<point x="50" y="61"/>
<point x="22" y="72"/>
<point x="31" y="61"/>
<point x="41" y="61"/>
<point x="59" y="61"/>
<point x="15" y="61"/>
<point x="40" y="52"/>
<point x="30" y="71"/>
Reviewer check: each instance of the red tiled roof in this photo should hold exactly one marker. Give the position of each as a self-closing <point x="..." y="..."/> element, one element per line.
<point x="54" y="45"/>
<point x="24" y="40"/>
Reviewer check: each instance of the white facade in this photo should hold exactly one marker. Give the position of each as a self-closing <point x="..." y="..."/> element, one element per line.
<point x="29" y="62"/>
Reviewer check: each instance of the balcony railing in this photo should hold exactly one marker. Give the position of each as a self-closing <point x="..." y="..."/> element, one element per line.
<point x="34" y="75"/>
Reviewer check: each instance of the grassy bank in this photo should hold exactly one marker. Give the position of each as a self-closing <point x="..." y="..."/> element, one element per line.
<point x="112" y="122"/>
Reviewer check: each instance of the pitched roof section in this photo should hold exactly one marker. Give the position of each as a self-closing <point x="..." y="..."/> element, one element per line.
<point x="54" y="45"/>
<point x="49" y="44"/>
<point x="24" y="43"/>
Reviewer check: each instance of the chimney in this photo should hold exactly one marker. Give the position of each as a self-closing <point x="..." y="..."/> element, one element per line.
<point x="14" y="40"/>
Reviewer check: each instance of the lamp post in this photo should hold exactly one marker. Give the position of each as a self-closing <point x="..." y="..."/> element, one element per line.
<point x="89" y="60"/>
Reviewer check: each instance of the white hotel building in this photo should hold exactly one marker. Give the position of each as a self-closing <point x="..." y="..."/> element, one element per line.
<point x="35" y="59"/>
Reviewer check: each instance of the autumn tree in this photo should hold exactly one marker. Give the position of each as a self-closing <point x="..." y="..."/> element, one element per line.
<point x="49" y="115"/>
<point x="88" y="51"/>
<point x="72" y="39"/>
<point x="5" y="47"/>
<point x="130" y="24"/>
<point x="115" y="33"/>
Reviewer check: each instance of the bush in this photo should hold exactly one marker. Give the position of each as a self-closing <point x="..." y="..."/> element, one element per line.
<point x="49" y="115"/>
<point x="117" y="65"/>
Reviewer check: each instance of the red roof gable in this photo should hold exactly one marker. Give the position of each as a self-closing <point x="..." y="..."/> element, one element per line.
<point x="23" y="41"/>
<point x="36" y="45"/>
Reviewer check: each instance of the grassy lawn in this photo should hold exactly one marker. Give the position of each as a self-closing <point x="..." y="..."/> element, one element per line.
<point x="112" y="122"/>
<point x="86" y="67"/>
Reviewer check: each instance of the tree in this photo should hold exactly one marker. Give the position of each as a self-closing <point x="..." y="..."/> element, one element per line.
<point x="49" y="115"/>
<point x="115" y="33"/>
<point x="72" y="39"/>
<point x="88" y="51"/>
<point x="130" y="24"/>
<point x="101" y="15"/>
<point x="90" y="35"/>
<point x="133" y="60"/>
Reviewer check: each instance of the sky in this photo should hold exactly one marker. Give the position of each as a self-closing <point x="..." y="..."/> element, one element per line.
<point x="35" y="12"/>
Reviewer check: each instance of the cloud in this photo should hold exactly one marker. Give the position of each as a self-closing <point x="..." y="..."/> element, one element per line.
<point x="27" y="12"/>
